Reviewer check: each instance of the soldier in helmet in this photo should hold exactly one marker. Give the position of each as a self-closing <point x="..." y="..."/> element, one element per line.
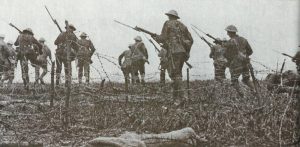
<point x="220" y="62"/>
<point x="42" y="62"/>
<point x="63" y="41"/>
<point x="84" y="55"/>
<point x="139" y="58"/>
<point x="126" y="66"/>
<point x="178" y="41"/>
<point x="9" y="64"/>
<point x="237" y="54"/>
<point x="163" y="65"/>
<point x="27" y="51"/>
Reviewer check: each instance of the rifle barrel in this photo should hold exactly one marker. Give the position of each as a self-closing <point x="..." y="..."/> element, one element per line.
<point x="124" y="24"/>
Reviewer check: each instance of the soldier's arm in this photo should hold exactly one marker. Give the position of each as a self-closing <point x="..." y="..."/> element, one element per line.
<point x="92" y="48"/>
<point x="59" y="39"/>
<point x="249" y="50"/>
<point x="164" y="33"/>
<point x="17" y="41"/>
<point x="120" y="58"/>
<point x="189" y="39"/>
<point x="144" y="49"/>
<point x="212" y="50"/>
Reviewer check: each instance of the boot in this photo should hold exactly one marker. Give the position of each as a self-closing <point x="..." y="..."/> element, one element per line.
<point x="42" y="82"/>
<point x="248" y="83"/>
<point x="238" y="89"/>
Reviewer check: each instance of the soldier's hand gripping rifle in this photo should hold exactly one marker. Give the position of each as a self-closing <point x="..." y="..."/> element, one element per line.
<point x="208" y="35"/>
<point x="55" y="22"/>
<point x="15" y="28"/>
<point x="153" y="36"/>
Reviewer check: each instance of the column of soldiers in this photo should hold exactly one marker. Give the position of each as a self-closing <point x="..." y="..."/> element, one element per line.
<point x="29" y="50"/>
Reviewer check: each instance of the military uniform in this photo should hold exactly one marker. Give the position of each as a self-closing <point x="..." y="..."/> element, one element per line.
<point x="163" y="65"/>
<point x="84" y="54"/>
<point x="126" y="66"/>
<point x="27" y="51"/>
<point x="237" y="54"/>
<point x="220" y="62"/>
<point x="296" y="59"/>
<point x="178" y="40"/>
<point x="64" y="40"/>
<point x="139" y="57"/>
<point x="42" y="62"/>
<point x="10" y="64"/>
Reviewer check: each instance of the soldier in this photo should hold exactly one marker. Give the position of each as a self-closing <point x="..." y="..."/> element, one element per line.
<point x="26" y="52"/>
<point x="139" y="57"/>
<point x="42" y="62"/>
<point x="163" y="65"/>
<point x="2" y="36"/>
<point x="178" y="40"/>
<point x="126" y="66"/>
<point x="220" y="62"/>
<point x="4" y="53"/>
<point x="296" y="59"/>
<point x="64" y="40"/>
<point x="9" y="64"/>
<point x="84" y="55"/>
<point x="237" y="54"/>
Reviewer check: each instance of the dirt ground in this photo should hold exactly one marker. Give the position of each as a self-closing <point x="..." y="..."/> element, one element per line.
<point x="213" y="110"/>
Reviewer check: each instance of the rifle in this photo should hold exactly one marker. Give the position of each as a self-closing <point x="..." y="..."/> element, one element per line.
<point x="201" y="37"/>
<point x="294" y="59"/>
<point x="255" y="81"/>
<point x="208" y="35"/>
<point x="55" y="22"/>
<point x="15" y="28"/>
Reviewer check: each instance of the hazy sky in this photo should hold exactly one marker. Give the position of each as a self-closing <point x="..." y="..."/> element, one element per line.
<point x="269" y="26"/>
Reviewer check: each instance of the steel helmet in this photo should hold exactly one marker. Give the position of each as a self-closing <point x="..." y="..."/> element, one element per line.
<point x="10" y="42"/>
<point x="83" y="34"/>
<point x="231" y="28"/>
<point x="29" y="30"/>
<point x="42" y="39"/>
<point x="138" y="38"/>
<point x="72" y="27"/>
<point x="172" y="13"/>
<point x="2" y="36"/>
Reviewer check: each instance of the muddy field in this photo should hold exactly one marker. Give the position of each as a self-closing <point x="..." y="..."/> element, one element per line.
<point x="213" y="110"/>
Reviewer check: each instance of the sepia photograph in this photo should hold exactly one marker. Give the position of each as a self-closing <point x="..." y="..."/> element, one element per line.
<point x="149" y="73"/>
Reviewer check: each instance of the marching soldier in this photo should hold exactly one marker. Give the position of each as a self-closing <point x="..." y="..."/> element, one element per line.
<point x="42" y="62"/>
<point x="139" y="57"/>
<point x="163" y="65"/>
<point x="9" y="64"/>
<point x="26" y="52"/>
<point x="126" y="66"/>
<point x="220" y="62"/>
<point x="64" y="40"/>
<point x="84" y="55"/>
<point x="237" y="54"/>
<point x="178" y="40"/>
<point x="2" y="36"/>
